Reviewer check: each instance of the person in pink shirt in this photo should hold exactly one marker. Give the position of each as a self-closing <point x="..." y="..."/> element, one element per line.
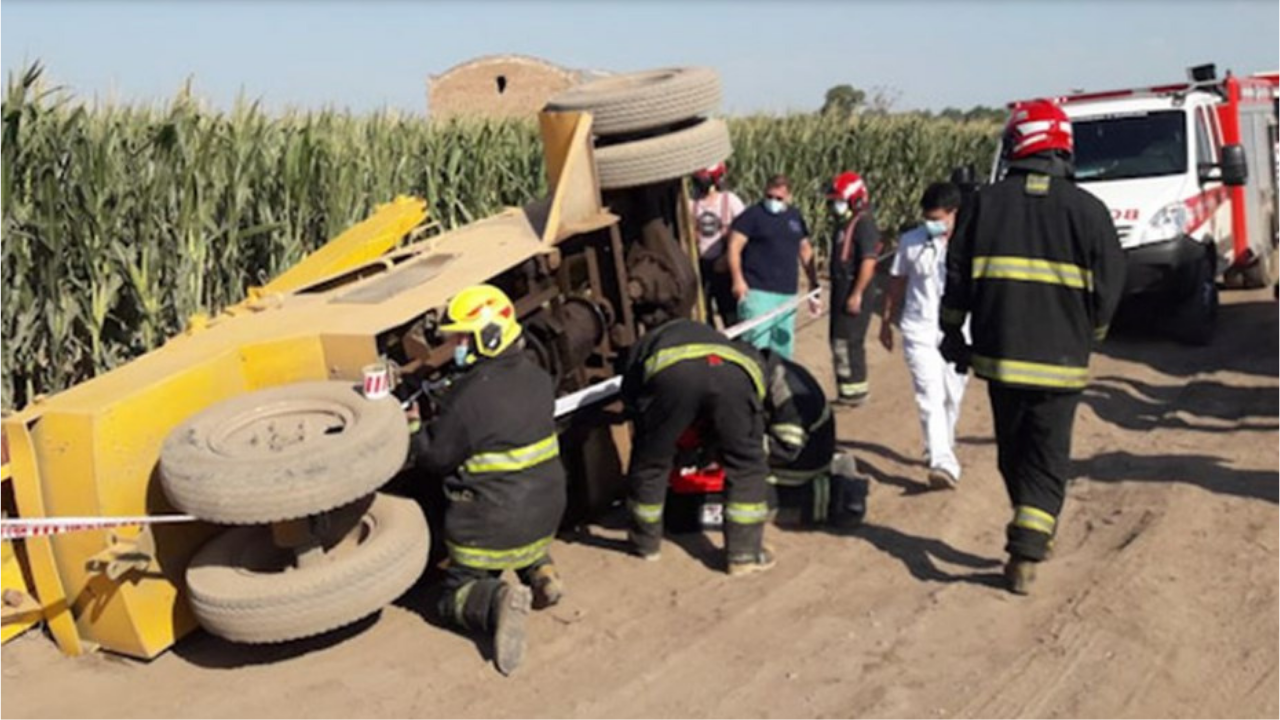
<point x="714" y="209"/>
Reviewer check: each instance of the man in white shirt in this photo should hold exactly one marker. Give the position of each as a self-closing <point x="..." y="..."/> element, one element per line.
<point x="714" y="210"/>
<point x="917" y="281"/>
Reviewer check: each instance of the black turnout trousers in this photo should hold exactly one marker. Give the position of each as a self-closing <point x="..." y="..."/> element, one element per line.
<point x="848" y="336"/>
<point x="669" y="403"/>
<point x="467" y="594"/>
<point x="1033" y="436"/>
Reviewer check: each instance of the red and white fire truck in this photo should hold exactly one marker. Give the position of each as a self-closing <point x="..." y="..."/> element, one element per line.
<point x="1189" y="172"/>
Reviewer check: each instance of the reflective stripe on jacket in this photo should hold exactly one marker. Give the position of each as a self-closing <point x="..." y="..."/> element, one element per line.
<point x="494" y="444"/>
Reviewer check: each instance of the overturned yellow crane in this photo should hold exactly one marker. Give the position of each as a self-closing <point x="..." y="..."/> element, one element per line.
<point x="588" y="267"/>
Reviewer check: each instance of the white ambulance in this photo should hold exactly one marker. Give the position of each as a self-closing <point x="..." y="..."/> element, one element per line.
<point x="1189" y="173"/>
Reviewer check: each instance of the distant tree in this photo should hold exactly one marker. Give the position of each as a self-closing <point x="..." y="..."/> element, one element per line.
<point x="983" y="113"/>
<point x="977" y="113"/>
<point x="843" y="100"/>
<point x="882" y="100"/>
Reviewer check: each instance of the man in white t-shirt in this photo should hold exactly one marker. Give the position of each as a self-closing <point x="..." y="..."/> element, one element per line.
<point x="714" y="210"/>
<point x="918" y="275"/>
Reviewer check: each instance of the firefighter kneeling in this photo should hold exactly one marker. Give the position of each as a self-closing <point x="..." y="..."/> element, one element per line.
<point x="811" y="484"/>
<point x="494" y="442"/>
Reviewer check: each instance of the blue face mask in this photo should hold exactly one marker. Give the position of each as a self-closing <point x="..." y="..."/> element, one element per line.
<point x="935" y="228"/>
<point x="461" y="355"/>
<point x="774" y="206"/>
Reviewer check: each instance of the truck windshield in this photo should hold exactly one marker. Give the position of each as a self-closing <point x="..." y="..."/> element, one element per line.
<point x="1130" y="146"/>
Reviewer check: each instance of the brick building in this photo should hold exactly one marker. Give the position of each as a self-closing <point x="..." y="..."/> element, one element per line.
<point x="498" y="86"/>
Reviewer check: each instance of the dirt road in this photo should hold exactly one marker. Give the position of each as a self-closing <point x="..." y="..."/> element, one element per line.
<point x="1162" y="600"/>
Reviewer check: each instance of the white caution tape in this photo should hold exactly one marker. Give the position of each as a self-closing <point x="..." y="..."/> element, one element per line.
<point x="606" y="389"/>
<point x="18" y="528"/>
<point x="747" y="326"/>
<point x="588" y="396"/>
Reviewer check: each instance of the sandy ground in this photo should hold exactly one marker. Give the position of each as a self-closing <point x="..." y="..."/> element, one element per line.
<point x="1162" y="600"/>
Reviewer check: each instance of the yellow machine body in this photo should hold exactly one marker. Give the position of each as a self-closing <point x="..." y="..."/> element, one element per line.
<point x="92" y="450"/>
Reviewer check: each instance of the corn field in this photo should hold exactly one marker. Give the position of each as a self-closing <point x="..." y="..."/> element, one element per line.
<point x="121" y="222"/>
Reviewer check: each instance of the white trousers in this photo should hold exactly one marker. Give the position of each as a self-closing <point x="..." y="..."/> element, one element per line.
<point x="939" y="391"/>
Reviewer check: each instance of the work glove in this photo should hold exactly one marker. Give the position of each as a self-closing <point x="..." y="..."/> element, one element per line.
<point x="413" y="417"/>
<point x="955" y="350"/>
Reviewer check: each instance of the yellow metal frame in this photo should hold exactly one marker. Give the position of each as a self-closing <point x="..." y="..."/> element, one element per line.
<point x="92" y="450"/>
<point x="20" y="610"/>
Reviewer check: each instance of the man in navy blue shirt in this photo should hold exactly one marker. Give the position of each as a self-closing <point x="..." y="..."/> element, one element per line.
<point x="766" y="241"/>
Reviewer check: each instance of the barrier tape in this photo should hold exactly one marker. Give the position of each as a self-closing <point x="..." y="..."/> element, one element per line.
<point x="18" y="528"/>
<point x="747" y="326"/>
<point x="608" y="388"/>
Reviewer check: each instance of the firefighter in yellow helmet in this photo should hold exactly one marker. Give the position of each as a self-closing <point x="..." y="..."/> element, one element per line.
<point x="494" y="443"/>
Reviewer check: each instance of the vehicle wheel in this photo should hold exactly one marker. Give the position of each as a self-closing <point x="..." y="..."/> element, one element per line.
<point x="245" y="589"/>
<point x="643" y="100"/>
<point x="283" y="453"/>
<point x="1197" y="318"/>
<point x="665" y="157"/>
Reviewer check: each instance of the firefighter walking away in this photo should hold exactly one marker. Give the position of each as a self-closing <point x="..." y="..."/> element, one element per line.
<point x="680" y="373"/>
<point x="494" y="442"/>
<point x="1037" y="263"/>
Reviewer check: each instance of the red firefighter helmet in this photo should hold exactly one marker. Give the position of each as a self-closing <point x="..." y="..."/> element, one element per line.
<point x="713" y="175"/>
<point x="1037" y="126"/>
<point x="848" y="186"/>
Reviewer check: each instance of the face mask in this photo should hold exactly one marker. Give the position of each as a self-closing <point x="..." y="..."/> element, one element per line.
<point x="935" y="228"/>
<point x="461" y="355"/>
<point x="774" y="205"/>
<point x="840" y="208"/>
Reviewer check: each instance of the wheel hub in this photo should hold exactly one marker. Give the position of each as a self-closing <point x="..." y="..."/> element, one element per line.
<point x="282" y="426"/>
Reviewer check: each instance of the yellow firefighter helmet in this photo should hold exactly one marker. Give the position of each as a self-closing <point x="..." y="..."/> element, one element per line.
<point x="487" y="315"/>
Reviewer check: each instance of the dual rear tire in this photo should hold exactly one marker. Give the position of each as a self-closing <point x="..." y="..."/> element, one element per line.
<point x="311" y="454"/>
<point x="651" y="126"/>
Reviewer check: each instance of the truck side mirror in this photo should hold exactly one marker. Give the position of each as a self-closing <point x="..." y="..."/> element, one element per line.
<point x="1235" y="171"/>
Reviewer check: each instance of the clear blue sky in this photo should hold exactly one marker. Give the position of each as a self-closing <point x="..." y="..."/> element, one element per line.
<point x="773" y="55"/>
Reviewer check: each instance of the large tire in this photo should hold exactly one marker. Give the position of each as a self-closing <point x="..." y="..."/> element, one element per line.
<point x="665" y="157"/>
<point x="1197" y="317"/>
<point x="244" y="589"/>
<point x="643" y="100"/>
<point x="283" y="453"/>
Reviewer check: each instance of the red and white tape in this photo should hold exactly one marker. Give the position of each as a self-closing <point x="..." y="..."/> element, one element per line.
<point x="18" y="528"/>
<point x="377" y="381"/>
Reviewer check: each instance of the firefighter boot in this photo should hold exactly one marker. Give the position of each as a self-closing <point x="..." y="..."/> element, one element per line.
<point x="742" y="565"/>
<point x="1020" y="574"/>
<point x="546" y="585"/>
<point x="511" y="608"/>
<point x="645" y="544"/>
